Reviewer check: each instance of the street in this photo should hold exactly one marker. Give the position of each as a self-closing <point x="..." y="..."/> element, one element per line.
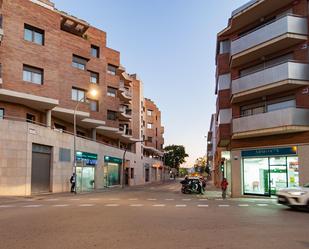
<point x="156" y="216"/>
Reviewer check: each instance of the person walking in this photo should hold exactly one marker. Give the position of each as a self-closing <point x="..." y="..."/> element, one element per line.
<point x="73" y="183"/>
<point x="224" y="185"/>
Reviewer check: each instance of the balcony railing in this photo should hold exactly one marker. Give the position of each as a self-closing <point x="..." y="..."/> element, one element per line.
<point x="289" y="70"/>
<point x="261" y="123"/>
<point x="287" y="24"/>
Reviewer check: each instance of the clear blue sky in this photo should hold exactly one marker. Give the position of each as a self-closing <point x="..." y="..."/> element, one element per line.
<point x="171" y="46"/>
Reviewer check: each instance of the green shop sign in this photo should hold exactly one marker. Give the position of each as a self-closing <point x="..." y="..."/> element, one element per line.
<point x="88" y="158"/>
<point x="110" y="159"/>
<point x="270" y="152"/>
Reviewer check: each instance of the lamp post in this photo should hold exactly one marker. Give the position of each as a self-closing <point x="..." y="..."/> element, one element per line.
<point x="93" y="93"/>
<point x="123" y="163"/>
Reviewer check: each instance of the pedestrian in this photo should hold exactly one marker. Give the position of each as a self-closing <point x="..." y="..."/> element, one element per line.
<point x="224" y="184"/>
<point x="73" y="183"/>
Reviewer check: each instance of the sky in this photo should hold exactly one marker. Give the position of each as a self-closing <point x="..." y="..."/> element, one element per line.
<point x="171" y="46"/>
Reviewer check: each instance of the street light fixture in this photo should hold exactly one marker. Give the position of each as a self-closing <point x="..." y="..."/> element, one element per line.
<point x="92" y="93"/>
<point x="123" y="163"/>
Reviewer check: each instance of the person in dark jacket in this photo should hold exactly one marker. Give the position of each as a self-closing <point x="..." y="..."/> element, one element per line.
<point x="73" y="183"/>
<point x="224" y="185"/>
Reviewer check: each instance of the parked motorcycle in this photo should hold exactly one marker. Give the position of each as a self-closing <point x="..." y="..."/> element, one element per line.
<point x="192" y="186"/>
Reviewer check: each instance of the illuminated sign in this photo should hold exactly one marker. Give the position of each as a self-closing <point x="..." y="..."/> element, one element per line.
<point x="89" y="159"/>
<point x="270" y="152"/>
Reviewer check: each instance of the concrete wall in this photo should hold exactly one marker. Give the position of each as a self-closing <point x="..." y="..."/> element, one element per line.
<point x="303" y="154"/>
<point x="16" y="157"/>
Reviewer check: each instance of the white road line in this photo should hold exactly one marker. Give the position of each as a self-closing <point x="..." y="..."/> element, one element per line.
<point x="202" y="205"/>
<point x="219" y="199"/>
<point x="61" y="205"/>
<point x="169" y="199"/>
<point x="133" y="199"/>
<point x="151" y="199"/>
<point x="204" y="199"/>
<point x="223" y="205"/>
<point x="180" y="205"/>
<point x="33" y="206"/>
<point x="262" y="205"/>
<point x="114" y="199"/>
<point x="94" y="199"/>
<point x="31" y="200"/>
<point x="75" y="199"/>
<point x="6" y="206"/>
<point x="111" y="205"/>
<point x="186" y="199"/>
<point x="52" y="199"/>
<point x="136" y="205"/>
<point x="86" y="205"/>
<point x="243" y="205"/>
<point x="158" y="205"/>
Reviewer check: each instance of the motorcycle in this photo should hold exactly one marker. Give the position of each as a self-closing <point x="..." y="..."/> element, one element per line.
<point x="192" y="186"/>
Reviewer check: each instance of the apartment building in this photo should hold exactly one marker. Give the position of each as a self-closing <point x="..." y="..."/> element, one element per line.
<point x="262" y="88"/>
<point x="54" y="65"/>
<point x="152" y="133"/>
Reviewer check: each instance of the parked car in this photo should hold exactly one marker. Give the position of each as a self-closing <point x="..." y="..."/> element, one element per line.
<point x="295" y="197"/>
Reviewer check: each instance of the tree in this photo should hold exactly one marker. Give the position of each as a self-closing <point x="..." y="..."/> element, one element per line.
<point x="183" y="172"/>
<point x="200" y="165"/>
<point x="174" y="155"/>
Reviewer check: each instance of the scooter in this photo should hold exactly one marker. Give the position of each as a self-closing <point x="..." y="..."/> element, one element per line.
<point x="192" y="188"/>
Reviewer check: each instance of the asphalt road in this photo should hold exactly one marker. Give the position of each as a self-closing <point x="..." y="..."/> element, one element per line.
<point x="149" y="218"/>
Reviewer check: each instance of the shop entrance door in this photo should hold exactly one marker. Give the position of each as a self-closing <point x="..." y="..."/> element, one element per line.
<point x="85" y="178"/>
<point x="278" y="178"/>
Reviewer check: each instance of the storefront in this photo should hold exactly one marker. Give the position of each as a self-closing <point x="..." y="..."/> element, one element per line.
<point x="264" y="171"/>
<point x="85" y="170"/>
<point x="112" y="170"/>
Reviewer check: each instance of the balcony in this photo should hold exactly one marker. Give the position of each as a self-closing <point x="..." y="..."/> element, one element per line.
<point x="281" y="77"/>
<point x="283" y="121"/>
<point x="223" y="135"/>
<point x="125" y="114"/>
<point x="124" y="94"/>
<point x="272" y="37"/>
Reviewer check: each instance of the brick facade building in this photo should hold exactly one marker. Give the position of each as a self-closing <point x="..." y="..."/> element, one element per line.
<point x="50" y="63"/>
<point x="262" y="88"/>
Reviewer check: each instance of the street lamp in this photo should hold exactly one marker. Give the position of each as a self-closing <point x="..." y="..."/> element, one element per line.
<point x="123" y="163"/>
<point x="92" y="93"/>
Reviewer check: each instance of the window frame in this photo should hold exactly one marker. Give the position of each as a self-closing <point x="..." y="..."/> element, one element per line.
<point x="34" y="31"/>
<point x="111" y="94"/>
<point x="94" y="75"/>
<point x="95" y="48"/>
<point x="79" y="62"/>
<point x="31" y="118"/>
<point x="91" y="101"/>
<point x="33" y="72"/>
<point x="78" y="90"/>
<point x="111" y="72"/>
<point x="111" y="112"/>
<point x="149" y="125"/>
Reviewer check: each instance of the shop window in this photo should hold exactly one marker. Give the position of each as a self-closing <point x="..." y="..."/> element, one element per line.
<point x="33" y="74"/>
<point x="95" y="51"/>
<point x="79" y="62"/>
<point x="33" y="34"/>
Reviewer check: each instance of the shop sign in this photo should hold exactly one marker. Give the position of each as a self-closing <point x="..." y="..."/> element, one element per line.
<point x="89" y="158"/>
<point x="110" y="159"/>
<point x="270" y="152"/>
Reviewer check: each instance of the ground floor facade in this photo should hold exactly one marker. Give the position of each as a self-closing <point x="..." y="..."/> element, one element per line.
<point x="262" y="171"/>
<point x="35" y="159"/>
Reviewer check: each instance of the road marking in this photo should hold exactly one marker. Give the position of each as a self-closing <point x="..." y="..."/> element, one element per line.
<point x="169" y="199"/>
<point x="202" y="205"/>
<point x="114" y="199"/>
<point x="243" y="205"/>
<point x="151" y="199"/>
<point x="133" y="199"/>
<point x="203" y="199"/>
<point x="75" y="199"/>
<point x="52" y="199"/>
<point x="262" y="205"/>
<point x="136" y="205"/>
<point x="220" y="199"/>
<point x="224" y="205"/>
<point x="180" y="205"/>
<point x="61" y="205"/>
<point x="33" y="206"/>
<point x="111" y="205"/>
<point x="31" y="200"/>
<point x="6" y="206"/>
<point x="186" y="199"/>
<point x="86" y="205"/>
<point x="94" y="199"/>
<point x="158" y="205"/>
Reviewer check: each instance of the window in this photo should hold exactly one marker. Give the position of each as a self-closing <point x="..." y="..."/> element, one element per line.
<point x="30" y="118"/>
<point x="225" y="47"/>
<point x="1" y="19"/>
<point x="33" y="34"/>
<point x="95" y="51"/>
<point x="111" y="91"/>
<point x="94" y="105"/>
<point x="132" y="173"/>
<point x="1" y="113"/>
<point x="149" y="112"/>
<point x="64" y="155"/>
<point x="111" y="115"/>
<point x="79" y="62"/>
<point x="252" y="109"/>
<point x="33" y="74"/>
<point x="149" y="139"/>
<point x="78" y="94"/>
<point x="111" y="69"/>
<point x="59" y="127"/>
<point x="149" y="125"/>
<point x="281" y="105"/>
<point x="94" y="77"/>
